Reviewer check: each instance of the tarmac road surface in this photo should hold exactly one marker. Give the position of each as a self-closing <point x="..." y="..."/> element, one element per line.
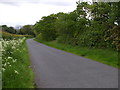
<point x="54" y="68"/>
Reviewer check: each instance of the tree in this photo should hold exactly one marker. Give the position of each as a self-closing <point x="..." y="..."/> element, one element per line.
<point x="66" y="27"/>
<point x="45" y="28"/>
<point x="91" y="25"/>
<point x="27" y="30"/>
<point x="8" y="29"/>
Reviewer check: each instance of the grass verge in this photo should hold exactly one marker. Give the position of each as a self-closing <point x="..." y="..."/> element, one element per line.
<point x="19" y="74"/>
<point x="105" y="56"/>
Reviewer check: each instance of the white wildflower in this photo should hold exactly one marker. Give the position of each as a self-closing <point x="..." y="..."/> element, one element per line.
<point x="10" y="65"/>
<point x="4" y="64"/>
<point x="16" y="72"/>
<point x="14" y="60"/>
<point x="9" y="57"/>
<point x="3" y="69"/>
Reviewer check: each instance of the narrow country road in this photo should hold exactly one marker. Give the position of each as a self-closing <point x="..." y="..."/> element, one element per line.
<point x="54" y="68"/>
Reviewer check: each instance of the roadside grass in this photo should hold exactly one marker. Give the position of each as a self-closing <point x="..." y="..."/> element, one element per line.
<point x="18" y="74"/>
<point x="105" y="56"/>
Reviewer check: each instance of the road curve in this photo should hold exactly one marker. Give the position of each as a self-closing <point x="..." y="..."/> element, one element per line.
<point x="54" y="68"/>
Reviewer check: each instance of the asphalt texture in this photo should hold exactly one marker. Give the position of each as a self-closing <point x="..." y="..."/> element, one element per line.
<point x="55" y="68"/>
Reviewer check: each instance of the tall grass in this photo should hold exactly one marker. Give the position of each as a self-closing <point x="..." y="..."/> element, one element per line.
<point x="16" y="72"/>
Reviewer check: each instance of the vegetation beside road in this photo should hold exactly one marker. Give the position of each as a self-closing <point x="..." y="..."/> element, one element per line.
<point x="10" y="36"/>
<point x="101" y="29"/>
<point x="16" y="71"/>
<point x="105" y="56"/>
<point x="95" y="36"/>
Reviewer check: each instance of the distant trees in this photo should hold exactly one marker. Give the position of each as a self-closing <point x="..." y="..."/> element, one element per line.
<point x="27" y="30"/>
<point x="96" y="25"/>
<point x="45" y="28"/>
<point x="8" y="29"/>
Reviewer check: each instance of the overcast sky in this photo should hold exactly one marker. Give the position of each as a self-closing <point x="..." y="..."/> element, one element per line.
<point x="23" y="12"/>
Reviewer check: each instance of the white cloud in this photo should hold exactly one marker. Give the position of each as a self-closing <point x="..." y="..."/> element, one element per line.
<point x="29" y="11"/>
<point x="50" y="2"/>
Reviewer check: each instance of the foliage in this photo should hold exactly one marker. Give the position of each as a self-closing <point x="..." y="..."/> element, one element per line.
<point x="66" y="27"/>
<point x="91" y="25"/>
<point x="106" y="56"/>
<point x="46" y="28"/>
<point x="8" y="29"/>
<point x="15" y="64"/>
<point x="114" y="36"/>
<point x="27" y="30"/>
<point x="8" y="36"/>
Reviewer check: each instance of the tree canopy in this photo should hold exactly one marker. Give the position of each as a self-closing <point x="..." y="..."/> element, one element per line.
<point x="8" y="29"/>
<point x="27" y="30"/>
<point x="91" y="25"/>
